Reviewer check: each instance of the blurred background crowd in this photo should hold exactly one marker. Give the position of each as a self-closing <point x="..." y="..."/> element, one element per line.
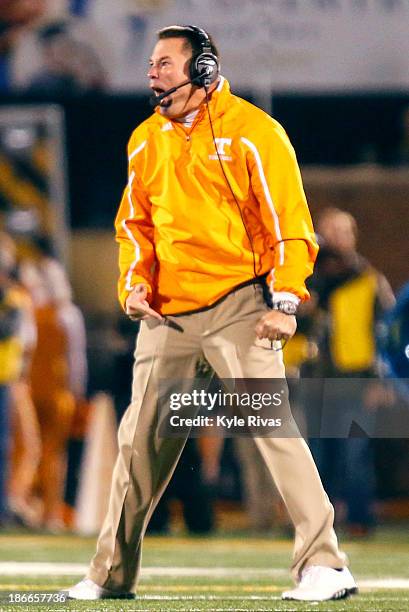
<point x="72" y="88"/>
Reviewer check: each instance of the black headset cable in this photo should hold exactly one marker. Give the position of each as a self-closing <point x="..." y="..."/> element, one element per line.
<point x="228" y="182"/>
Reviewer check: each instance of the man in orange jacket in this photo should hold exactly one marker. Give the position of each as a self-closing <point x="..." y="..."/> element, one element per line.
<point x="214" y="208"/>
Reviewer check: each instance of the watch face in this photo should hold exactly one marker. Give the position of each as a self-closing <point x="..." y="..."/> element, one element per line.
<point x="287" y="307"/>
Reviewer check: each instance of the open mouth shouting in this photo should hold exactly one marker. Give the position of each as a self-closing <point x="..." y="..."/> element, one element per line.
<point x="158" y="91"/>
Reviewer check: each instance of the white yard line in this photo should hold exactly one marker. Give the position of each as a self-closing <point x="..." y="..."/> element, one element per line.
<point x="17" y="568"/>
<point x="21" y="568"/>
<point x="384" y="583"/>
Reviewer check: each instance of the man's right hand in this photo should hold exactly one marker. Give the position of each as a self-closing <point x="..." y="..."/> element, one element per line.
<point x="137" y="307"/>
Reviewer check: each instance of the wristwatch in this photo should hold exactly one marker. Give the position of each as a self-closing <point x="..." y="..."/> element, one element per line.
<point x="286" y="306"/>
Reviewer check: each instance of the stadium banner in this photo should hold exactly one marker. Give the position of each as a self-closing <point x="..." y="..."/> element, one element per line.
<point x="280" y="45"/>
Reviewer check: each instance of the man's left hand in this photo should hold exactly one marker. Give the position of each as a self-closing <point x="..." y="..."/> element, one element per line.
<point x="276" y="325"/>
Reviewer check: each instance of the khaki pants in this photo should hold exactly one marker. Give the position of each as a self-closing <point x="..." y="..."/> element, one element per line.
<point x="169" y="350"/>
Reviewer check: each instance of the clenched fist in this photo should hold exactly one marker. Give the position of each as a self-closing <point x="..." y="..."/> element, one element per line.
<point x="276" y="325"/>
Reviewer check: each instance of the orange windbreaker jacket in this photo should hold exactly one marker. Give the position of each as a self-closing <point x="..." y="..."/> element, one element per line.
<point x="179" y="227"/>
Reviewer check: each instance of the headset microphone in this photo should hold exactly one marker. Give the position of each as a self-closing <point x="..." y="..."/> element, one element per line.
<point x="156" y="100"/>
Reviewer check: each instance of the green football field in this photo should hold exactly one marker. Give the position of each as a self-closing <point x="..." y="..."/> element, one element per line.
<point x="224" y="574"/>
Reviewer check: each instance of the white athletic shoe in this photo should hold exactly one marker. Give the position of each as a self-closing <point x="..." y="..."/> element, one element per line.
<point x="320" y="583"/>
<point x="87" y="589"/>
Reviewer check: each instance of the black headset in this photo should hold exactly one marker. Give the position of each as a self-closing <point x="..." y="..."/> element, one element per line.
<point x="204" y="66"/>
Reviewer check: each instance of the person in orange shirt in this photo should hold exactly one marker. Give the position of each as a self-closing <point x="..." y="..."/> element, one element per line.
<point x="57" y="375"/>
<point x="26" y="447"/>
<point x="214" y="211"/>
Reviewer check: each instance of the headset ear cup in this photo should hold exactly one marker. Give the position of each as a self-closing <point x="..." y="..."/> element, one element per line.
<point x="204" y="69"/>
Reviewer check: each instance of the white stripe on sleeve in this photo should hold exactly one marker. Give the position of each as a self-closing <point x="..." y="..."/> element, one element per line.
<point x="267" y="194"/>
<point x="131" y="237"/>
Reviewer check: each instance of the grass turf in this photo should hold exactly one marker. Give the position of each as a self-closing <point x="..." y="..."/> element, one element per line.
<point x="232" y="589"/>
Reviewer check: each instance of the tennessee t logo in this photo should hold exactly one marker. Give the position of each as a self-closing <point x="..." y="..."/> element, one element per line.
<point x="221" y="143"/>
